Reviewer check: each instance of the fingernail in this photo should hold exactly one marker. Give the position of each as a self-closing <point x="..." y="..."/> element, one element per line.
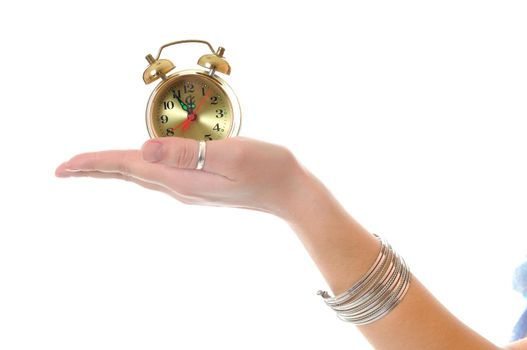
<point x="153" y="151"/>
<point x="66" y="172"/>
<point x="61" y="171"/>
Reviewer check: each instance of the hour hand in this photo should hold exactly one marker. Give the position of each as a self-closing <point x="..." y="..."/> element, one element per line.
<point x="183" y="105"/>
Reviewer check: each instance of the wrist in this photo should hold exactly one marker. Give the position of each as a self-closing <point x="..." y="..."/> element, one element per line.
<point x="342" y="249"/>
<point x="308" y="201"/>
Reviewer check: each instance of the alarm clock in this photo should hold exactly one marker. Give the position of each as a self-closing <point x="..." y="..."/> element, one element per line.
<point x="191" y="103"/>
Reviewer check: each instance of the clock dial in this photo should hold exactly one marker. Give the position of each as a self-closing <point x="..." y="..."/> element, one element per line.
<point x="192" y="106"/>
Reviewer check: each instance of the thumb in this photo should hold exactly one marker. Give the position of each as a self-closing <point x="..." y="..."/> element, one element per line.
<point x="178" y="152"/>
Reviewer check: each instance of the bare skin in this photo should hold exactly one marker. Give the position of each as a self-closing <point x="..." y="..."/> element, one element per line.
<point x="245" y="173"/>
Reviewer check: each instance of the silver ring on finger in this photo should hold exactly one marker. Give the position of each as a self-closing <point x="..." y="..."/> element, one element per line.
<point x="201" y="155"/>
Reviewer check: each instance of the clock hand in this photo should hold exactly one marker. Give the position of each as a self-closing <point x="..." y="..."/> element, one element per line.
<point x="192" y="116"/>
<point x="182" y="104"/>
<point x="186" y="126"/>
<point x="183" y="124"/>
<point x="202" y="101"/>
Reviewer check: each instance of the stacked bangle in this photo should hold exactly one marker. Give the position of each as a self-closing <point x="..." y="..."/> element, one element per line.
<point x="377" y="293"/>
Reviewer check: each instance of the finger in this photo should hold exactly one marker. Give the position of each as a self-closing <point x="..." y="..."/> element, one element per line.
<point x="176" y="152"/>
<point x="130" y="163"/>
<point x="118" y="176"/>
<point x="125" y="162"/>
<point x="182" y="153"/>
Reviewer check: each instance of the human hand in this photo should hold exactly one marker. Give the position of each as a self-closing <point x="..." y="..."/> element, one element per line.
<point x="238" y="172"/>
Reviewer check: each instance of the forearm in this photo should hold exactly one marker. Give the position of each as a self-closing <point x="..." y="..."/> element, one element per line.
<point x="343" y="250"/>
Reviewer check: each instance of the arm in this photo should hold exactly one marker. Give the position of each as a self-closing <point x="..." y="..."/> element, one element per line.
<point x="518" y="345"/>
<point x="344" y="250"/>
<point x="250" y="174"/>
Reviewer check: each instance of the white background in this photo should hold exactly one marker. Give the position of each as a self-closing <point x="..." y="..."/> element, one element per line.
<point x="412" y="113"/>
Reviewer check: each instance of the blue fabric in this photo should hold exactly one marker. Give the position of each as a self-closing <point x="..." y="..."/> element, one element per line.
<point x="519" y="283"/>
<point x="520" y="329"/>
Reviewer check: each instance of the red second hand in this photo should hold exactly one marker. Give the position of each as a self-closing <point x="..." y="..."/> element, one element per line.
<point x="202" y="101"/>
<point x="183" y="124"/>
<point x="193" y="116"/>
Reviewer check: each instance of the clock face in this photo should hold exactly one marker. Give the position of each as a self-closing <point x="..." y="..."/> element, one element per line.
<point x="192" y="105"/>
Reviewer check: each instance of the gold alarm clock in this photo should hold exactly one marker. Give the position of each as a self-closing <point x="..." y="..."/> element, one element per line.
<point x="191" y="103"/>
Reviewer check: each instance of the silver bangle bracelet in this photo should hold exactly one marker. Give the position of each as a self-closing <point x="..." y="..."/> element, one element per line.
<point x="377" y="293"/>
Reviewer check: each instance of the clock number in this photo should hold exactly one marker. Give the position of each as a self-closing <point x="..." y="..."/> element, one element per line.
<point x="164" y="119"/>
<point x="168" y="104"/>
<point x="176" y="93"/>
<point x="203" y="90"/>
<point x="214" y="100"/>
<point x="170" y="132"/>
<point x="219" y="113"/>
<point x="208" y="137"/>
<point x="188" y="87"/>
<point x="216" y="127"/>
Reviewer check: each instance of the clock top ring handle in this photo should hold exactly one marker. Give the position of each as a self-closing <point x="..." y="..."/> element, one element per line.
<point x="184" y="42"/>
<point x="158" y="68"/>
